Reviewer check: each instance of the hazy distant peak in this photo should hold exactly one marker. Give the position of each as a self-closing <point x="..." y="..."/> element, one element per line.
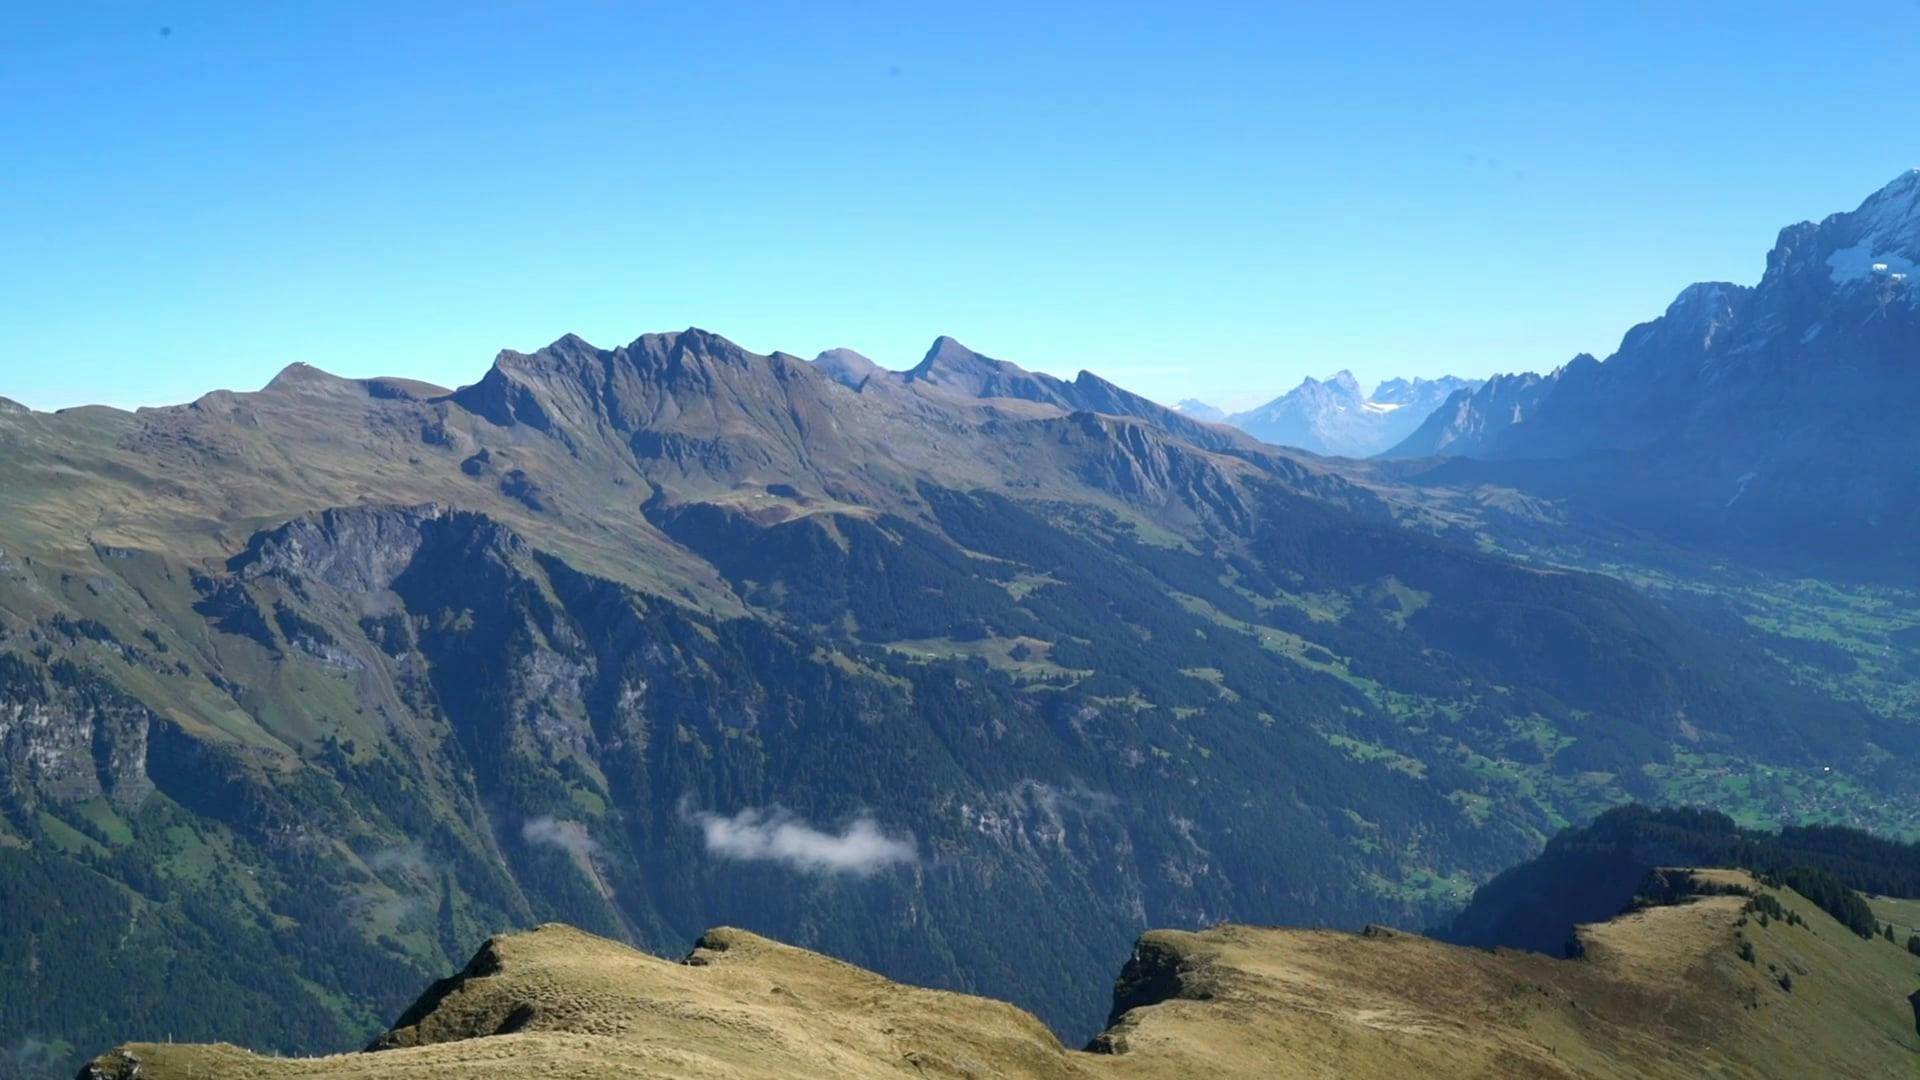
<point x="1581" y="362"/>
<point x="1200" y="410"/>
<point x="1340" y="382"/>
<point x="953" y="369"/>
<point x="1336" y="416"/>
<point x="691" y="341"/>
<point x="849" y="357"/>
<point x="846" y="367"/>
<point x="302" y="376"/>
<point x="571" y="343"/>
<point x="946" y="355"/>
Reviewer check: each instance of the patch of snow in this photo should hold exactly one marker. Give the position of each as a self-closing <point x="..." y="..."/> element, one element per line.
<point x="1861" y="262"/>
<point x="1812" y="332"/>
<point x="1381" y="406"/>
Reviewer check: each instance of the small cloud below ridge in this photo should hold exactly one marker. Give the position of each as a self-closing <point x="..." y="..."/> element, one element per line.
<point x="774" y="834"/>
<point x="569" y="836"/>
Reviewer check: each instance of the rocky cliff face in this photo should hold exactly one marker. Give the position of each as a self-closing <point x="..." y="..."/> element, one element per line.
<point x="68" y="736"/>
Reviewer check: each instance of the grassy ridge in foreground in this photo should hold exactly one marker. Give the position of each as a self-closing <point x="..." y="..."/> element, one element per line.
<point x="1694" y="985"/>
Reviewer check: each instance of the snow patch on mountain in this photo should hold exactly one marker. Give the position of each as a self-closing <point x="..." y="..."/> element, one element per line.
<point x="1863" y="261"/>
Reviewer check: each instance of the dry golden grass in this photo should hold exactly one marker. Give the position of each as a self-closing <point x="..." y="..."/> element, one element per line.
<point x="1661" y="993"/>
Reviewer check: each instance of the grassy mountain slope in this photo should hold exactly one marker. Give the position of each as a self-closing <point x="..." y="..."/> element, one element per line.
<point x="1586" y="874"/>
<point x="1696" y="985"/>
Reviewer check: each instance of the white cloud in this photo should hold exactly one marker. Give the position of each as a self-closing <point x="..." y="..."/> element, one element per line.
<point x="569" y="836"/>
<point x="775" y="835"/>
<point x="406" y="858"/>
<point x="1079" y="798"/>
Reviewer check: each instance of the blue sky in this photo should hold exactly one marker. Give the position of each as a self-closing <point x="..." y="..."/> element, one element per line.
<point x="1192" y="199"/>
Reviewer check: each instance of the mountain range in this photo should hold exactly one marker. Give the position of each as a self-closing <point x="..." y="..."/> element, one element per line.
<point x="967" y="674"/>
<point x="1775" y="418"/>
<point x="1336" y="417"/>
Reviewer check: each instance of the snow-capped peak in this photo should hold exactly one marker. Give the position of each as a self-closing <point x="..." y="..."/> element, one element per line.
<point x="1200" y="410"/>
<point x="1884" y="234"/>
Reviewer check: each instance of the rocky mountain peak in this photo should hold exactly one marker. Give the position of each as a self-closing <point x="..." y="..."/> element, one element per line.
<point x="1200" y="410"/>
<point x="1881" y="239"/>
<point x="957" y="371"/>
<point x="1895" y="207"/>
<point x="1877" y="244"/>
<point x="1337" y="416"/>
<point x="685" y="348"/>
<point x="1581" y="362"/>
<point x="1696" y="316"/>
<point x="1396" y="391"/>
<point x="570" y="344"/>
<point x="299" y="376"/>
<point x="846" y="367"/>
<point x="947" y="359"/>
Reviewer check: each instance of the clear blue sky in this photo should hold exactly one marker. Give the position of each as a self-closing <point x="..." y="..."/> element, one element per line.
<point x="1192" y="199"/>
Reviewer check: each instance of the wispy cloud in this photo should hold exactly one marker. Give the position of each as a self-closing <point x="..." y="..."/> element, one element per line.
<point x="1052" y="799"/>
<point x="28" y="1056"/>
<point x="569" y="836"/>
<point x="776" y="835"/>
<point x="406" y="859"/>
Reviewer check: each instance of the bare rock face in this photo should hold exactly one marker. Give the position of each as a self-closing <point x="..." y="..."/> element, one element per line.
<point x="1154" y="973"/>
<point x="121" y="1064"/>
<point x="357" y="550"/>
<point x="68" y="735"/>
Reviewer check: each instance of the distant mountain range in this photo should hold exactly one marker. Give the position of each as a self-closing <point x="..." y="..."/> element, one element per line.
<point x="1778" y="416"/>
<point x="1336" y="417"/>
